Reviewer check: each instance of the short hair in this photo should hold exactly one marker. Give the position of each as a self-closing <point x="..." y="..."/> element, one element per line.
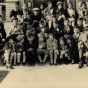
<point x="0" y="15"/>
<point x="80" y="19"/>
<point x="76" y="27"/>
<point x="17" y="3"/>
<point x="15" y="18"/>
<point x="66" y="20"/>
<point x="49" y="2"/>
<point x="83" y="2"/>
<point x="70" y="3"/>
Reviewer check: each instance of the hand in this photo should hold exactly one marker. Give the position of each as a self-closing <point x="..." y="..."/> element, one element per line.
<point x="3" y="40"/>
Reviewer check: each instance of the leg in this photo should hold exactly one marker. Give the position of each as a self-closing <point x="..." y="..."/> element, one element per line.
<point x="66" y="58"/>
<point x="11" y="57"/>
<point x="45" y="56"/>
<point x="18" y="58"/>
<point x="24" y="58"/>
<point x="55" y="56"/>
<point x="14" y="56"/>
<point x="51" y="57"/>
<point x="39" y="52"/>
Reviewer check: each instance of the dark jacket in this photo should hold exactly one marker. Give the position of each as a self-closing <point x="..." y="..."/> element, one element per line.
<point x="2" y="30"/>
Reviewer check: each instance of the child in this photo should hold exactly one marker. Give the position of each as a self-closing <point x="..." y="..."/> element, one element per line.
<point x="15" y="11"/>
<point x="48" y="14"/>
<point x="82" y="47"/>
<point x="2" y="31"/>
<point x="52" y="46"/>
<point x="80" y="24"/>
<point x="57" y="32"/>
<point x="67" y="29"/>
<point x="17" y="34"/>
<point x="20" y="19"/>
<point x="30" y="50"/>
<point x="64" y="51"/>
<point x="60" y="13"/>
<point x="42" y="29"/>
<point x="71" y="14"/>
<point x="42" y="50"/>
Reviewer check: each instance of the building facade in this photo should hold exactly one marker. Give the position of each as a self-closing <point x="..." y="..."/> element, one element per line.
<point x="7" y="5"/>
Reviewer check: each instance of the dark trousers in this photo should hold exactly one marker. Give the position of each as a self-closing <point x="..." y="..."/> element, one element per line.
<point x="30" y="56"/>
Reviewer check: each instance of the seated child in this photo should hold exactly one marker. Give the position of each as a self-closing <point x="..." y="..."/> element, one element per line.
<point x="64" y="51"/>
<point x="42" y="30"/>
<point x="52" y="47"/>
<point x="30" y="47"/>
<point x="42" y="50"/>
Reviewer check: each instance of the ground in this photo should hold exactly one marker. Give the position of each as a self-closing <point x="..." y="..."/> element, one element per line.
<point x="61" y="76"/>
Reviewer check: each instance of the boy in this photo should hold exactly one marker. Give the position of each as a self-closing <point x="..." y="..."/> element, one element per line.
<point x="42" y="29"/>
<point x="64" y="51"/>
<point x="17" y="34"/>
<point x="80" y="24"/>
<point x="15" y="11"/>
<point x="67" y="29"/>
<point x="82" y="46"/>
<point x="35" y="17"/>
<point x="42" y="50"/>
<point x="52" y="47"/>
<point x="30" y="46"/>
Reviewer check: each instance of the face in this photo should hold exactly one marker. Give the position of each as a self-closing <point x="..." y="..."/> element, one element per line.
<point x="61" y="42"/>
<point x="24" y="7"/>
<point x="16" y="6"/>
<point x="41" y="7"/>
<point x="25" y="15"/>
<point x="76" y="30"/>
<point x="41" y="39"/>
<point x="60" y="6"/>
<point x="41" y="25"/>
<point x="70" y="6"/>
<point x="28" y="26"/>
<point x="51" y="37"/>
<point x="66" y="23"/>
<point x="50" y="5"/>
<point x="79" y="23"/>
<point x="30" y="38"/>
<point x="83" y="6"/>
<point x="29" y="4"/>
<point x="36" y="13"/>
<point x="15" y="22"/>
<point x="18" y="16"/>
<point x="68" y="41"/>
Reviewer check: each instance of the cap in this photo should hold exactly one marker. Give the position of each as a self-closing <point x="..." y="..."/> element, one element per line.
<point x="59" y="2"/>
<point x="49" y="2"/>
<point x="36" y="9"/>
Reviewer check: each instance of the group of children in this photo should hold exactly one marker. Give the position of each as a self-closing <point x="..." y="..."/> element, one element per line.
<point x="54" y="33"/>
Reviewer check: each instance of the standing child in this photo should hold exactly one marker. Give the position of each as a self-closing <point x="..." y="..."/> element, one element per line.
<point x="30" y="46"/>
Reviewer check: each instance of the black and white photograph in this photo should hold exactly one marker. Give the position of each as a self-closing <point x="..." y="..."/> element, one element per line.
<point x="43" y="43"/>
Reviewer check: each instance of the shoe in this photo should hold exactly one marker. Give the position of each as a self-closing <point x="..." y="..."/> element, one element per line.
<point x="23" y="64"/>
<point x="40" y="64"/>
<point x="51" y="64"/>
<point x="43" y="63"/>
<point x="33" y="65"/>
<point x="18" y="64"/>
<point x="72" y="62"/>
<point x="11" y="67"/>
<point x="55" y="64"/>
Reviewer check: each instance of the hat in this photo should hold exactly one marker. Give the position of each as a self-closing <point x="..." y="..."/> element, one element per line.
<point x="62" y="38"/>
<point x="49" y="2"/>
<point x="50" y="34"/>
<point x="36" y="9"/>
<point x="59" y="2"/>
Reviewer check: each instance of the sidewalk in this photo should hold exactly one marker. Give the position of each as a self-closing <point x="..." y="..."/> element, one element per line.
<point x="64" y="76"/>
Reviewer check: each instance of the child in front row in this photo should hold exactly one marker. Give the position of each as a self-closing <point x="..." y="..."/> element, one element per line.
<point x="52" y="46"/>
<point x="42" y="50"/>
<point x="64" y="51"/>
